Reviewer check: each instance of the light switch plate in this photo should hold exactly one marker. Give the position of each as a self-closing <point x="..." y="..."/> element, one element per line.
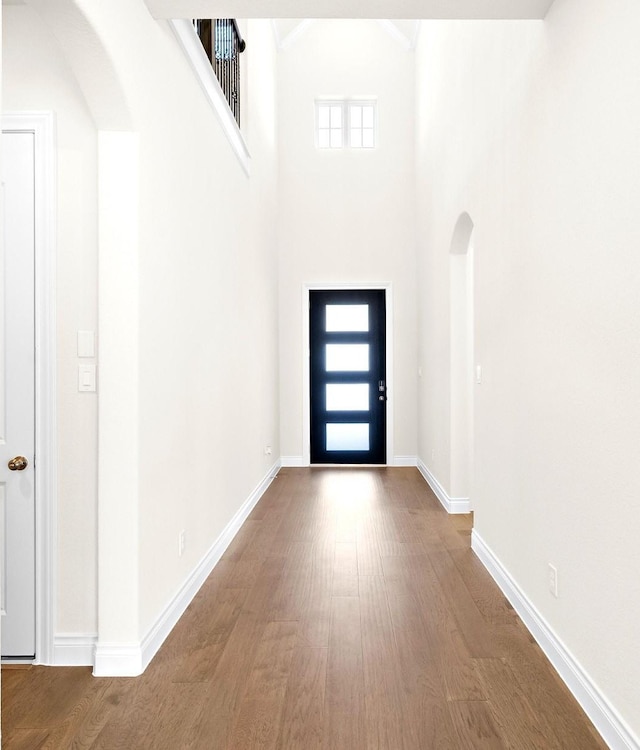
<point x="86" y="344"/>
<point x="87" y="378"/>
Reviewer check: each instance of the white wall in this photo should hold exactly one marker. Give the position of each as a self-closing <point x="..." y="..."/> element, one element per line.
<point x="346" y="217"/>
<point x="533" y="129"/>
<point x="208" y="311"/>
<point x="36" y="77"/>
<point x="207" y="298"/>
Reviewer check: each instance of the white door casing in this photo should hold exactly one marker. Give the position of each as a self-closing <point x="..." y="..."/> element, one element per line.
<point x="27" y="394"/>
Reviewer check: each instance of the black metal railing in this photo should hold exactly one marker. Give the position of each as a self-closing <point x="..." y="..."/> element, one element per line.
<point x="223" y="44"/>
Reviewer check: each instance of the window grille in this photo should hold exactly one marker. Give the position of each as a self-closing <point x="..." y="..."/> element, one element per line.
<point x="330" y="117"/>
<point x="223" y="44"/>
<point x="346" y="123"/>
<point x="362" y="125"/>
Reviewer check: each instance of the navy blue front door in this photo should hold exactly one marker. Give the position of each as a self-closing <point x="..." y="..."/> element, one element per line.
<point x="348" y="381"/>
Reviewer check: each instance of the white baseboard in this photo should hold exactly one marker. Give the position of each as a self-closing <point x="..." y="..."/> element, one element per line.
<point x="404" y="461"/>
<point x="74" y="649"/>
<point x="605" y="718"/>
<point x="117" y="660"/>
<point x="453" y="505"/>
<point x="293" y="461"/>
<point x="130" y="660"/>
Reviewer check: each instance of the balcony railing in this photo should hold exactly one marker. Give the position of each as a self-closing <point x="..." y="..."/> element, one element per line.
<point x="223" y="44"/>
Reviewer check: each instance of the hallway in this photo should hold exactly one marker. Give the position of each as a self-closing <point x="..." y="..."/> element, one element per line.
<point x="349" y="612"/>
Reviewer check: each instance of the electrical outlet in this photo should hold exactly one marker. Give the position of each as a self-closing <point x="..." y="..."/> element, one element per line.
<point x="553" y="580"/>
<point x="267" y="450"/>
<point x="182" y="538"/>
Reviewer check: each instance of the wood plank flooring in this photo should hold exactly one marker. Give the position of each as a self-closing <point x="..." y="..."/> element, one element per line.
<point x="349" y="613"/>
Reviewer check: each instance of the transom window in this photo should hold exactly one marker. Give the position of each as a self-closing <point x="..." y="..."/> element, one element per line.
<point x="347" y="123"/>
<point x="362" y="125"/>
<point x="330" y="118"/>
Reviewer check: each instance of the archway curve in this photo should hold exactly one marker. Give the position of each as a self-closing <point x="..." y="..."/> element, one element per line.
<point x="462" y="232"/>
<point x="89" y="60"/>
<point x="461" y="331"/>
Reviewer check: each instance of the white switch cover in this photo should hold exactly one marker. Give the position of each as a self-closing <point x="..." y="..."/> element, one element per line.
<point x="86" y="344"/>
<point x="478" y="373"/>
<point x="87" y="378"/>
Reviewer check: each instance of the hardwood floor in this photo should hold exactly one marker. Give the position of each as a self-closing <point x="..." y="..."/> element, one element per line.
<point x="349" y="613"/>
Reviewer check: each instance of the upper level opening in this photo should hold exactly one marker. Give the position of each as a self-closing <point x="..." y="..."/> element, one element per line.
<point x="223" y="44"/>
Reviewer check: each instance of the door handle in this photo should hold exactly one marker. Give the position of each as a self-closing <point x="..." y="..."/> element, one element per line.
<point x="382" y="387"/>
<point x="19" y="463"/>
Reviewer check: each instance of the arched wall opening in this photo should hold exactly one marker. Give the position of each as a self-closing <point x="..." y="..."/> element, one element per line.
<point x="81" y="39"/>
<point x="461" y="293"/>
<point x="89" y="48"/>
<point x="88" y="38"/>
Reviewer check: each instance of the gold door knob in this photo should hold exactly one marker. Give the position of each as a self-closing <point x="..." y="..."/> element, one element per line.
<point x="19" y="463"/>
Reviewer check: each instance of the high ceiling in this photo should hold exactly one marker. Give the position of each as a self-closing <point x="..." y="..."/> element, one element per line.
<point x="289" y="30"/>
<point x="392" y="9"/>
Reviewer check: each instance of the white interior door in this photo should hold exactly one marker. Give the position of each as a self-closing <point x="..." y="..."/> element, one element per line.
<point x="17" y="397"/>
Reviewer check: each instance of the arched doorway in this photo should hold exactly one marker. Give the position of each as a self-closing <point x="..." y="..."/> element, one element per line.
<point x="82" y="57"/>
<point x="461" y="275"/>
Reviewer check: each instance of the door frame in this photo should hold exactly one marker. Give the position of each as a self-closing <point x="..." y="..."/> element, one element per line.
<point x="387" y="287"/>
<point x="42" y="125"/>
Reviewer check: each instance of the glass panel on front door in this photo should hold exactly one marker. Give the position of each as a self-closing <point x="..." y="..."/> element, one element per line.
<point x="347" y="437"/>
<point x="347" y="358"/>
<point x="347" y="318"/>
<point x="348" y="392"/>
<point x="347" y="396"/>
